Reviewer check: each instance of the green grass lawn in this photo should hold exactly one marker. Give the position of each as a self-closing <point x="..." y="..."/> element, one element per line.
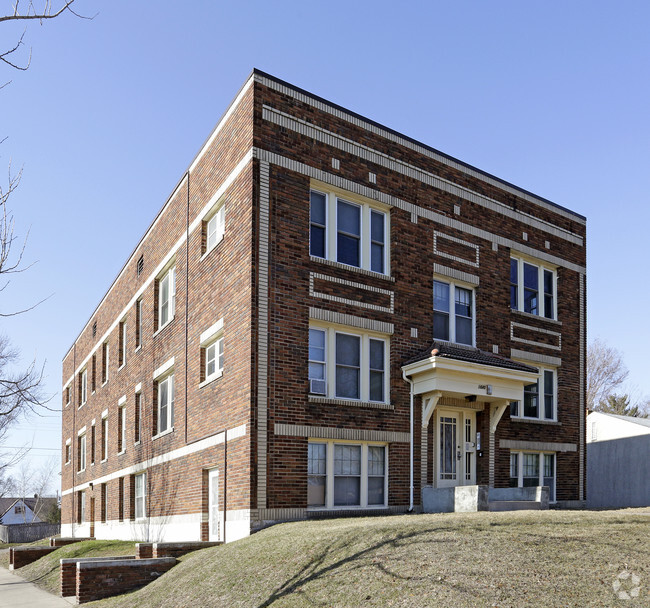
<point x="542" y="559"/>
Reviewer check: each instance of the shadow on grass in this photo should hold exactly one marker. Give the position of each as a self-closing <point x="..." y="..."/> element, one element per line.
<point x="316" y="568"/>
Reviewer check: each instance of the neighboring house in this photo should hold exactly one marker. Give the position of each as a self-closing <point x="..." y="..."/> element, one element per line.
<point x="24" y="511"/>
<point x="618" y="469"/>
<point x="325" y="317"/>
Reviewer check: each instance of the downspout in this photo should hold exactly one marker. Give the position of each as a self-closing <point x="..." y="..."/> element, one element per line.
<point x="187" y="285"/>
<point x="410" y="382"/>
<point x="73" y="446"/>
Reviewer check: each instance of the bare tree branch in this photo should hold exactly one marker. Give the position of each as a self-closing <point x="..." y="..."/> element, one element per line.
<point x="605" y="372"/>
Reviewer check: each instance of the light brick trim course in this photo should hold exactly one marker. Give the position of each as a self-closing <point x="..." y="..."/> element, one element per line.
<point x="330" y="316"/>
<point x="542" y="446"/>
<point x="325" y="432"/>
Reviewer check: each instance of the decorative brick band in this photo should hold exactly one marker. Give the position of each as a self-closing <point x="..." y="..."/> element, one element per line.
<point x="459" y="275"/>
<point x="351" y="147"/>
<point x="524" y="355"/>
<point x="540" y="330"/>
<point x="414" y="210"/>
<point x="325" y="296"/>
<point x="330" y="316"/>
<point x="364" y="271"/>
<point x="354" y="119"/>
<point x="373" y="405"/>
<point x="541" y="446"/>
<point x="453" y="239"/>
<point x="327" y="432"/>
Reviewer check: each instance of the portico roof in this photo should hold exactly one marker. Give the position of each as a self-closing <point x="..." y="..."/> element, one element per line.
<point x="464" y="371"/>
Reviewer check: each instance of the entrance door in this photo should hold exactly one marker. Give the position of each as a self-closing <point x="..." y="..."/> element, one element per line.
<point x="213" y="506"/>
<point x="449" y="471"/>
<point x="456" y="448"/>
<point x="92" y="517"/>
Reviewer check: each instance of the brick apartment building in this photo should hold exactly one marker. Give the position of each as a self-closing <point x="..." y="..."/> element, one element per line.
<point x="325" y="317"/>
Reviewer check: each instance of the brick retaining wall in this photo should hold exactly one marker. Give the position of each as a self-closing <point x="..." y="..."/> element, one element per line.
<point x="178" y="549"/>
<point x="62" y="542"/>
<point x="99" y="579"/>
<point x="21" y="556"/>
<point x="69" y="571"/>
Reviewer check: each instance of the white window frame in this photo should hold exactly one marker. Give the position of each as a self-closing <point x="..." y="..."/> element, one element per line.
<point x="329" y="475"/>
<point x="168" y="275"/>
<point x="68" y="451"/>
<point x="138" y="324"/>
<point x="453" y="285"/>
<point x="541" y="306"/>
<point x="212" y="337"/>
<point x="84" y="387"/>
<point x="105" y="436"/>
<point x="332" y="198"/>
<point x="105" y="353"/>
<point x="520" y="472"/>
<point x="121" y="412"/>
<point x="137" y="415"/>
<point x="331" y="331"/>
<point x="141" y="497"/>
<point x="68" y="395"/>
<point x="518" y="411"/>
<point x="82" y="452"/>
<point x="215" y="223"/>
<point x="122" y="345"/>
<point x="169" y="416"/>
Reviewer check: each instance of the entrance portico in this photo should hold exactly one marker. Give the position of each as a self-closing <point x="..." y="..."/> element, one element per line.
<point x="456" y="383"/>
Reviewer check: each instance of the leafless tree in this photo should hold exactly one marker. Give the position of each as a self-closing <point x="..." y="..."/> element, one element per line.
<point x="31" y="482"/>
<point x="606" y="372"/>
<point x="20" y="387"/>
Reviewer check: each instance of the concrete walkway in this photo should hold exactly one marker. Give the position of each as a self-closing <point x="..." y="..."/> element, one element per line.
<point x="16" y="592"/>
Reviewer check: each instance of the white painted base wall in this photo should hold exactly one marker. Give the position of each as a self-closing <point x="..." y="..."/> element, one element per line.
<point x="175" y="528"/>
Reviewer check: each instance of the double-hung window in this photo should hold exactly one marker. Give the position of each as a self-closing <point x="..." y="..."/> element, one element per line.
<point x="140" y="496"/>
<point x="166" y="297"/>
<point x="165" y="408"/>
<point x="104" y="363"/>
<point x="532" y="288"/>
<point x="343" y="475"/>
<point x="83" y="388"/>
<point x="138" y="323"/>
<point x="530" y="469"/>
<point x="453" y="313"/>
<point x="344" y="364"/>
<point x="212" y="352"/>
<point x="215" y="228"/>
<point x="104" y="436"/>
<point x="81" y="452"/>
<point x="121" y="429"/>
<point x="121" y="353"/>
<point x="539" y="399"/>
<point x="348" y="230"/>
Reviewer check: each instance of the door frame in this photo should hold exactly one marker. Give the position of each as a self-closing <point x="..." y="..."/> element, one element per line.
<point x="465" y="450"/>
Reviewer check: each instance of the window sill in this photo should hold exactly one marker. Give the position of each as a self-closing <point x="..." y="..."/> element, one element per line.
<point x="347" y="508"/>
<point x="368" y="273"/>
<point x="211" y="379"/>
<point x="84" y="403"/>
<point x="121" y="367"/>
<point x="209" y="251"/>
<point x="535" y="421"/>
<point x="81" y="471"/>
<point x="137" y="443"/>
<point x="122" y="452"/>
<point x="376" y="405"/>
<point x="159" y="435"/>
<point x="160" y="329"/>
<point x="103" y="461"/>
<point x="104" y="383"/>
<point x="67" y="463"/>
<point x="138" y="349"/>
<point x="529" y="315"/>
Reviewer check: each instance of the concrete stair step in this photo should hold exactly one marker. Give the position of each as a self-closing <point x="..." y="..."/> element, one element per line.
<point x="514" y="505"/>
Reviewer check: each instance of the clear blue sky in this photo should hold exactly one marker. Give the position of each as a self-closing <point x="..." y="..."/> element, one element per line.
<point x="552" y="96"/>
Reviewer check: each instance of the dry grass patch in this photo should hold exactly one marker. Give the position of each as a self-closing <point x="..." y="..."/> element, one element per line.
<point x="515" y="559"/>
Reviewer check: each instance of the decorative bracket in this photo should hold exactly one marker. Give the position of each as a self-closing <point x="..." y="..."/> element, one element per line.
<point x="497" y="410"/>
<point x="428" y="406"/>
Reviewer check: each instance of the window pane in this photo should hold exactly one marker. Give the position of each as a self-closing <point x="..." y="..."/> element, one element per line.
<point x="220" y="354"/>
<point x="549" y="393"/>
<point x="347" y="382"/>
<point x="440" y="326"/>
<point x="317" y="457"/>
<point x="514" y="408"/>
<point x="376" y="491"/>
<point x="210" y="360"/>
<point x="376" y="386"/>
<point x="347" y="460"/>
<point x="531" y="277"/>
<point x="348" y="250"/>
<point x="377" y="258"/>
<point x="463" y="302"/>
<point x="376" y="460"/>
<point x="531" y="400"/>
<point x="548" y="307"/>
<point x="348" y="350"/>
<point x="531" y="470"/>
<point x="377" y="354"/>
<point x="377" y="227"/>
<point x="349" y="218"/>
<point x="514" y="271"/>
<point x="441" y="296"/>
<point x="317" y="371"/>
<point x="317" y="241"/>
<point x="316" y="491"/>
<point x="514" y="466"/>
<point x="317" y="208"/>
<point x="316" y="345"/>
<point x="548" y="282"/>
<point x="463" y="330"/>
<point x="212" y="232"/>
<point x="347" y="491"/>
